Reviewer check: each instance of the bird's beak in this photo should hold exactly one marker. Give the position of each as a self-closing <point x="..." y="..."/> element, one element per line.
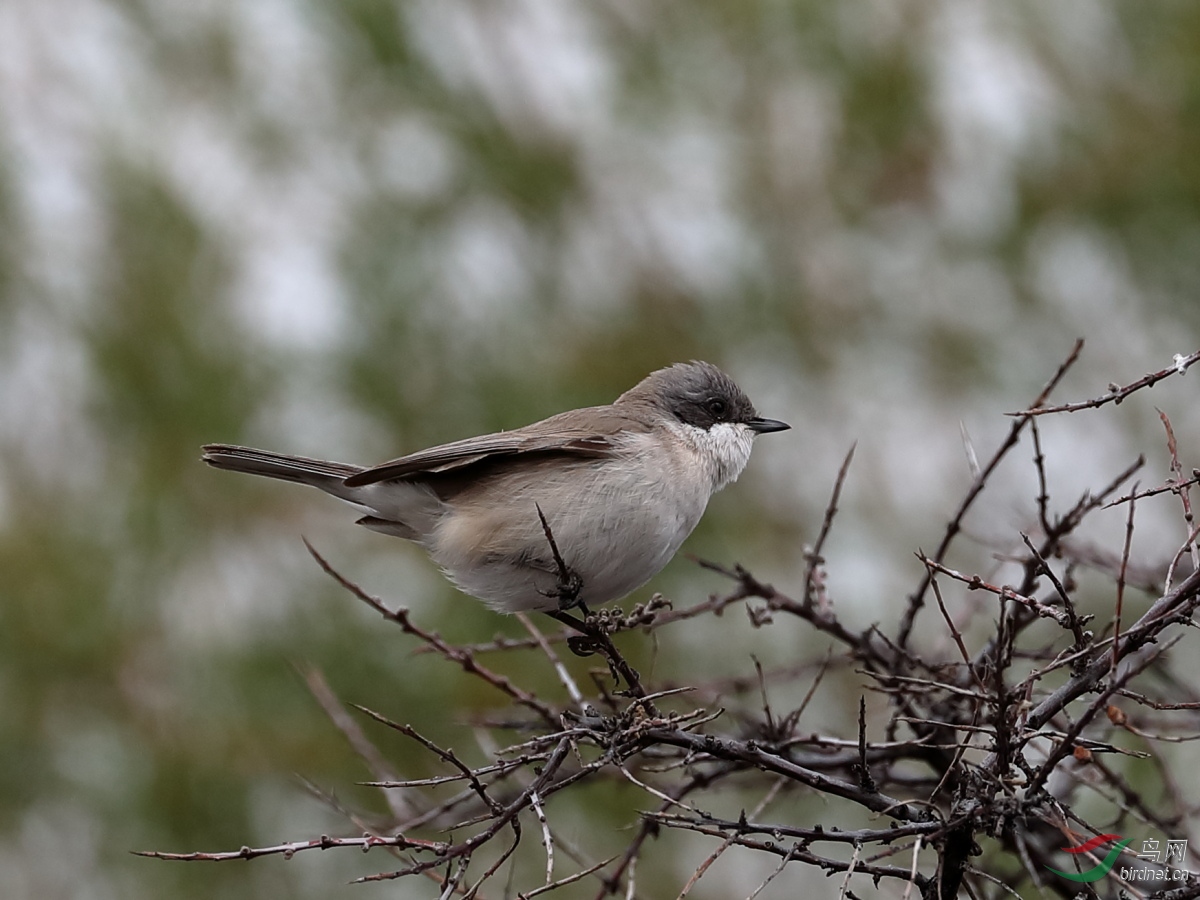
<point x="765" y="426"/>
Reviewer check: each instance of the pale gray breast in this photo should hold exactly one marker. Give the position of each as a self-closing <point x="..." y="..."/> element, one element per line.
<point x="617" y="521"/>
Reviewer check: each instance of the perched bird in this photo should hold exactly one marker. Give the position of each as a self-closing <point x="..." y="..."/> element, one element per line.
<point x="581" y="508"/>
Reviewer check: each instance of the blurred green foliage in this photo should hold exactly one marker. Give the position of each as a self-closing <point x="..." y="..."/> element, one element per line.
<point x="365" y="227"/>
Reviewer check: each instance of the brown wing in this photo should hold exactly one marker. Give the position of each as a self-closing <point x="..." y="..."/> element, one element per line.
<point x="579" y="432"/>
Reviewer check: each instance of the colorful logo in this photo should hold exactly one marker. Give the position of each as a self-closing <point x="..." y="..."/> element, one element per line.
<point x="1098" y="871"/>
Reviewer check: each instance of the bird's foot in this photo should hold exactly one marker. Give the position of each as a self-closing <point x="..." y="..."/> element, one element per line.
<point x="567" y="591"/>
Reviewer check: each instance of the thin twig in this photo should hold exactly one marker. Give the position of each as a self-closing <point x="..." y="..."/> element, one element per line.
<point x="547" y="841"/>
<point x="850" y="870"/>
<point x="1116" y="658"/>
<point x="1116" y="394"/>
<point x="814" y="559"/>
<point x="560" y="670"/>
<point x="562" y="882"/>
<point x="462" y="658"/>
<point x="1074" y="622"/>
<point x="380" y="769"/>
<point x="917" y="599"/>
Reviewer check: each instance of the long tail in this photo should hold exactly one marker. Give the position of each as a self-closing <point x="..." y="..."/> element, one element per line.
<point x="410" y="511"/>
<point x="320" y="473"/>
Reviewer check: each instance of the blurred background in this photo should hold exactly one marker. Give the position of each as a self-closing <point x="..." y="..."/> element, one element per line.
<point x="354" y="229"/>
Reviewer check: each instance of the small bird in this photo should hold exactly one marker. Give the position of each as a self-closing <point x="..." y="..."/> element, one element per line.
<point x="581" y="508"/>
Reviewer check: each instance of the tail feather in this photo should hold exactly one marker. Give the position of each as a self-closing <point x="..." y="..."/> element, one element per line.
<point x="316" y="472"/>
<point x="404" y="509"/>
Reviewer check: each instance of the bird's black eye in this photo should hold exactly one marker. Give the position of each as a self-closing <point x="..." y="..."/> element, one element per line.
<point x="717" y="408"/>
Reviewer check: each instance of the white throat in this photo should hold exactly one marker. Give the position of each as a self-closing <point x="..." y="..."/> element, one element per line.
<point x="723" y="450"/>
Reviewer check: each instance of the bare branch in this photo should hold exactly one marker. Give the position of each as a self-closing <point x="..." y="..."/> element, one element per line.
<point x="991" y="735"/>
<point x="917" y="599"/>
<point x="813" y="557"/>
<point x="1116" y="394"/>
<point x="462" y="658"/>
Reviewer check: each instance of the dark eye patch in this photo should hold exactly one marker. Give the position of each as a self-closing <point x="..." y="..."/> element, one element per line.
<point x="701" y="395"/>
